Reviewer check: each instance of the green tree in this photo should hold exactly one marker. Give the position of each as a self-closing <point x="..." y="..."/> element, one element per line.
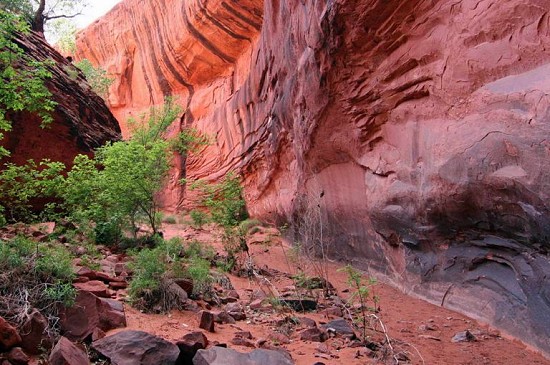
<point x="123" y="190"/>
<point x="23" y="78"/>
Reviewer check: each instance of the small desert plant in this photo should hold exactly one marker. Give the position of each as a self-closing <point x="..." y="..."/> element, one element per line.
<point x="198" y="217"/>
<point x="96" y="77"/>
<point x="236" y="248"/>
<point x="249" y="224"/>
<point x="363" y="293"/>
<point x="170" y="219"/>
<point x="311" y="240"/>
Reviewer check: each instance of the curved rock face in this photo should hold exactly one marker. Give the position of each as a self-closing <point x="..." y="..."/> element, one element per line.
<point x="81" y="120"/>
<point x="418" y="131"/>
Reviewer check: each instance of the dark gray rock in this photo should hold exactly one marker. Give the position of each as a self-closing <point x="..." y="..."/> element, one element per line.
<point x="222" y="356"/>
<point x="137" y="348"/>
<point x="340" y="327"/>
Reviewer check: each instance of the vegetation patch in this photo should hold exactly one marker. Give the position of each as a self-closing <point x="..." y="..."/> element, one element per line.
<point x="34" y="275"/>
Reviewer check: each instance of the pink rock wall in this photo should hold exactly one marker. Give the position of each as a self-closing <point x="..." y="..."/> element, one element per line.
<point x="419" y="129"/>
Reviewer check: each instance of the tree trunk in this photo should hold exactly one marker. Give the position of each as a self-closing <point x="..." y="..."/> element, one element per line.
<point x="39" y="18"/>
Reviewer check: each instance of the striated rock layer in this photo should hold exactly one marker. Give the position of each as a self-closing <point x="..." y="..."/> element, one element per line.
<point x="81" y="119"/>
<point x="418" y="131"/>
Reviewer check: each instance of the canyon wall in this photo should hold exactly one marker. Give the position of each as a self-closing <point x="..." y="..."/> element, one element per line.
<point x="417" y="130"/>
<point x="81" y="119"/>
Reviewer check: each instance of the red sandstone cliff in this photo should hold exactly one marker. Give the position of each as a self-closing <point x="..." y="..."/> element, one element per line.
<point x="81" y="120"/>
<point x="419" y="128"/>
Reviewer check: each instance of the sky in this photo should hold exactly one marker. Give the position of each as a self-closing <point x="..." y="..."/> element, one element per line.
<point x="96" y="9"/>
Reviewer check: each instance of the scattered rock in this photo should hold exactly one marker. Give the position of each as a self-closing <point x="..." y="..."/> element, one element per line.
<point x="464" y="336"/>
<point x="17" y="357"/>
<point x="430" y="337"/>
<point x="313" y="334"/>
<point x="98" y="334"/>
<point x="279" y="338"/>
<point x="256" y="304"/>
<point x="236" y="311"/>
<point x="244" y="334"/>
<point x="258" y="294"/>
<point x="428" y="327"/>
<point x="186" y="285"/>
<point x="67" y="353"/>
<point x="33" y="334"/>
<point x="340" y="327"/>
<point x="307" y="322"/>
<point x="189" y="345"/>
<point x="206" y="321"/>
<point x="232" y="294"/>
<point x="223" y="356"/>
<point x="95" y="287"/>
<point x="116" y="285"/>
<point x="9" y="337"/>
<point x="137" y="347"/>
<point x="111" y="314"/>
<point x="299" y="305"/>
<point x="323" y="348"/>
<point x="224" y="317"/>
<point x="239" y="341"/>
<point x="333" y="311"/>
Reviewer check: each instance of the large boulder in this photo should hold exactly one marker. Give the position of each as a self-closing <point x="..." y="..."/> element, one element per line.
<point x="88" y="313"/>
<point x="137" y="348"/>
<point x="224" y="356"/>
<point x="81" y="120"/>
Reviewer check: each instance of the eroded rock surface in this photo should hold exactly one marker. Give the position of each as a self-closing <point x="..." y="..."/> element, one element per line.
<point x="418" y="130"/>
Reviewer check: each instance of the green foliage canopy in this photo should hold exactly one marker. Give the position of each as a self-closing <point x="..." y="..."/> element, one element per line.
<point x="123" y="190"/>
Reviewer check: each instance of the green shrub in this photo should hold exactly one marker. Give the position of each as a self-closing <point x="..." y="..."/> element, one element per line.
<point x="248" y="224"/>
<point x="108" y="232"/>
<point x="199" y="218"/>
<point x="198" y="270"/>
<point x="21" y="184"/>
<point x="34" y="275"/>
<point x="190" y="140"/>
<point x="223" y="200"/>
<point x="64" y="293"/>
<point x="170" y="220"/>
<point x="55" y="262"/>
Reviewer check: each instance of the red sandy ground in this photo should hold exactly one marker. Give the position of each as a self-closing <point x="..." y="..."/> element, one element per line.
<point x="405" y="317"/>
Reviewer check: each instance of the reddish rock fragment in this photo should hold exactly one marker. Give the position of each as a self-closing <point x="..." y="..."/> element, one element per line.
<point x="67" y="353"/>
